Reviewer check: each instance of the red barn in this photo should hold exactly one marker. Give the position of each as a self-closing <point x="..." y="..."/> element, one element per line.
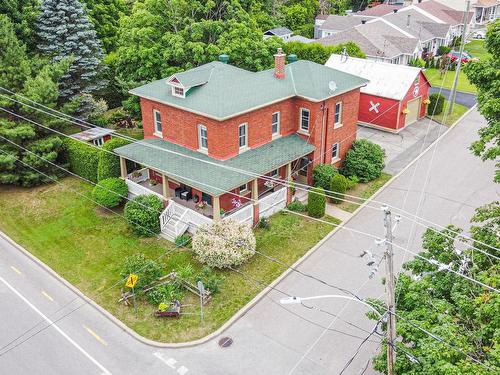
<point x="396" y="96"/>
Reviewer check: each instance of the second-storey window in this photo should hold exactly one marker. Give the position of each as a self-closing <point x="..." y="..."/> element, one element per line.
<point x="276" y="123"/>
<point x="242" y="135"/>
<point x="203" y="137"/>
<point x="338" y="114"/>
<point x="157" y="120"/>
<point x="304" y="119"/>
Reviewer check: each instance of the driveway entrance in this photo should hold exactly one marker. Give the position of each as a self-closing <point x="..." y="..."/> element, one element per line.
<point x="402" y="148"/>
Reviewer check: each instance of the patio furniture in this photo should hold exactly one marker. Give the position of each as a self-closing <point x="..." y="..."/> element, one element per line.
<point x="186" y="195"/>
<point x="183" y="192"/>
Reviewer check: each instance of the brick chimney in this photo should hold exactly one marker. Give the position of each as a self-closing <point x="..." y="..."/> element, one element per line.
<point x="279" y="64"/>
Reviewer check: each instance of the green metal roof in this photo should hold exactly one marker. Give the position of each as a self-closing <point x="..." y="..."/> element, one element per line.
<point x="221" y="91"/>
<point x="191" y="167"/>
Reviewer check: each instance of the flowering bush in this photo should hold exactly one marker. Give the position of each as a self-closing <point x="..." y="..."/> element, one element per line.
<point x="224" y="243"/>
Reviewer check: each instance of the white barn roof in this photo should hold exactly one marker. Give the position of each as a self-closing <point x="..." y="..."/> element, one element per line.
<point x="387" y="80"/>
<point x="92" y="133"/>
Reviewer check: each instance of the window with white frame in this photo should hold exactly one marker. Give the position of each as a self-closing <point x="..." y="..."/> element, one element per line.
<point x="304" y="120"/>
<point x="157" y="120"/>
<point x="338" y="115"/>
<point x="243" y="188"/>
<point x="202" y="137"/>
<point x="242" y="135"/>
<point x="274" y="173"/>
<point x="276" y="123"/>
<point x="98" y="141"/>
<point x="178" y="91"/>
<point x="335" y="152"/>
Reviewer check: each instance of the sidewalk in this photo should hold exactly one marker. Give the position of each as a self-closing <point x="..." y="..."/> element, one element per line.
<point x="334" y="211"/>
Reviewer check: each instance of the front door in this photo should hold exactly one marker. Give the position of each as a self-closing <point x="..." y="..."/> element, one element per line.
<point x="413" y="107"/>
<point x="302" y="171"/>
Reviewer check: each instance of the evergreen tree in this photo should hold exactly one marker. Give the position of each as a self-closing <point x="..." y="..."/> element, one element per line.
<point x="14" y="66"/>
<point x="23" y="15"/>
<point x="65" y="31"/>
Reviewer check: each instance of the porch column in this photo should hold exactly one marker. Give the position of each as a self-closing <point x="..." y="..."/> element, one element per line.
<point x="216" y="208"/>
<point x="123" y="167"/>
<point x="288" y="178"/>
<point x="166" y="190"/>
<point x="255" y="200"/>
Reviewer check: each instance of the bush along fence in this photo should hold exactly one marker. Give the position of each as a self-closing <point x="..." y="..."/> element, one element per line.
<point x="82" y="158"/>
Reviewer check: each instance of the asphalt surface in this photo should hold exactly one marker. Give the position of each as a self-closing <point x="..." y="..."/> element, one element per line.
<point x="463" y="98"/>
<point x="403" y="147"/>
<point x="271" y="338"/>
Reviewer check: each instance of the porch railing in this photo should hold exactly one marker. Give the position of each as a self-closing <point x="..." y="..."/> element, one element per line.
<point x="134" y="189"/>
<point x="244" y="214"/>
<point x="272" y="203"/>
<point x="139" y="175"/>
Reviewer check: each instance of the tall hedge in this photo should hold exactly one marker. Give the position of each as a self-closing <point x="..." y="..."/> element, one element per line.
<point x="338" y="185"/>
<point x="364" y="160"/>
<point x="82" y="158"/>
<point x="109" y="164"/>
<point x="143" y="214"/>
<point x="316" y="202"/>
<point x="322" y="175"/>
<point x="436" y="105"/>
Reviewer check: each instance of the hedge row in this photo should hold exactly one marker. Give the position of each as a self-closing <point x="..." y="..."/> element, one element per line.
<point x="82" y="158"/>
<point x="109" y="164"/>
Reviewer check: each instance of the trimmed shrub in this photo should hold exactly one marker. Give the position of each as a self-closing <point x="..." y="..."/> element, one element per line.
<point x="316" y="202"/>
<point x="109" y="164"/>
<point x="264" y="223"/>
<point x="365" y="160"/>
<point x="436" y="105"/>
<point x="110" y="192"/>
<point x="339" y="186"/>
<point x="297" y="206"/>
<point x="224" y="243"/>
<point x="82" y="158"/>
<point x="182" y="240"/>
<point x="143" y="214"/>
<point x="322" y="175"/>
<point x="443" y="50"/>
<point x="352" y="181"/>
<point x="147" y="269"/>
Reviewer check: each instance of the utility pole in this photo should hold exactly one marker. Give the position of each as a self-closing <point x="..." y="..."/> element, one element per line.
<point x="391" y="303"/>
<point x="453" y="95"/>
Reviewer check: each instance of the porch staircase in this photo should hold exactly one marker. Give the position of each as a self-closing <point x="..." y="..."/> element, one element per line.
<point x="173" y="221"/>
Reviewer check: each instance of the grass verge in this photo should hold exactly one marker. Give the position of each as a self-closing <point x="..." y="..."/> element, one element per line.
<point x="476" y="49"/>
<point x="87" y="247"/>
<point x="364" y="190"/>
<point x="435" y="78"/>
<point x="448" y="120"/>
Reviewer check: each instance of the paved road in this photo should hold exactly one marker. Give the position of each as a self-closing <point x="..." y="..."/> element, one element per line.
<point x="270" y="338"/>
<point x="463" y="98"/>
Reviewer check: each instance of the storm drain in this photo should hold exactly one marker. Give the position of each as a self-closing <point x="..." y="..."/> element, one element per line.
<point x="225" y="342"/>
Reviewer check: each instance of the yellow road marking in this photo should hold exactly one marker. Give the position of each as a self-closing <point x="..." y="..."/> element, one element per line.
<point x="48" y="297"/>
<point x="16" y="270"/>
<point x="96" y="336"/>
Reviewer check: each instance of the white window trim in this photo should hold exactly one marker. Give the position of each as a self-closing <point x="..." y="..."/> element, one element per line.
<point x="98" y="141"/>
<point x="184" y="89"/>
<point x="277" y="174"/>
<point x="337" y="158"/>
<point x="278" y="132"/>
<point x="156" y="132"/>
<point x="245" y="146"/>
<point x="245" y="190"/>
<point x="201" y="148"/>
<point x="301" y="130"/>
<point x="339" y="124"/>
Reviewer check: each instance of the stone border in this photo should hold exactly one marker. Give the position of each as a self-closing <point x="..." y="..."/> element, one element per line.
<point x="254" y="300"/>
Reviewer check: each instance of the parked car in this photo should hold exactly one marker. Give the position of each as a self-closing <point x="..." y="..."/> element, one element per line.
<point x="454" y="55"/>
<point x="479" y="34"/>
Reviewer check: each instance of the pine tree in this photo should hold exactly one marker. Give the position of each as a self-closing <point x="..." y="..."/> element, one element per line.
<point x="65" y="31"/>
<point x="23" y="15"/>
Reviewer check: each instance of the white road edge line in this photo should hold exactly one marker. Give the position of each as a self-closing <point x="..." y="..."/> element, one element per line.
<point x="92" y="359"/>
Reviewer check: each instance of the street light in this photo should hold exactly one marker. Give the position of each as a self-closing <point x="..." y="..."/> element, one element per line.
<point x="298" y="300"/>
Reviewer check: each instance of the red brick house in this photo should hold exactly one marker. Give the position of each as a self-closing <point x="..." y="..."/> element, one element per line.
<point x="211" y="131"/>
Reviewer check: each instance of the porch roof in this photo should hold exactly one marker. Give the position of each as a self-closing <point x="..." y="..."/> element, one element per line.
<point x="196" y="169"/>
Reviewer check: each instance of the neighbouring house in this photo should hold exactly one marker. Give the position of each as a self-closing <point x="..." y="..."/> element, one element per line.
<point x="395" y="97"/>
<point x="301" y="39"/>
<point x="335" y="23"/>
<point x="318" y="21"/>
<point x="379" y="10"/>
<point x="97" y="136"/>
<point x="380" y="41"/>
<point x="486" y="11"/>
<point x="281" y="32"/>
<point x="205" y="126"/>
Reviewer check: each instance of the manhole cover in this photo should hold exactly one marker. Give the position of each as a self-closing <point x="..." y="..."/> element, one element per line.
<point x="225" y="342"/>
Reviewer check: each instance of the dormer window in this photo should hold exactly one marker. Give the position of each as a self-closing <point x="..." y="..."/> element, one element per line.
<point x="178" y="91"/>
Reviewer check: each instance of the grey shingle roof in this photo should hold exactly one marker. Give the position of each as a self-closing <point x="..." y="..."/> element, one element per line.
<point x="301" y="39"/>
<point x="418" y="23"/>
<point x="230" y="91"/>
<point x="336" y="22"/>
<point x="191" y="167"/>
<point x="379" y="10"/>
<point x="278" y="31"/>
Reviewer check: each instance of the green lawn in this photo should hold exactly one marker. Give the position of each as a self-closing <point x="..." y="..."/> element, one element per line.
<point x="436" y="80"/>
<point x="363" y="190"/>
<point x="87" y="247"/>
<point x="458" y="110"/>
<point x="476" y="49"/>
<point x="135" y="133"/>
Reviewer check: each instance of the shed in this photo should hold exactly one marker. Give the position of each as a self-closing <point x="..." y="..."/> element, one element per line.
<point x="97" y="136"/>
<point x="394" y="98"/>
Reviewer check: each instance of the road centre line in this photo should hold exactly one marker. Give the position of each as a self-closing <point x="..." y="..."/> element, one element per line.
<point x="96" y="336"/>
<point x="16" y="270"/>
<point x="47" y="296"/>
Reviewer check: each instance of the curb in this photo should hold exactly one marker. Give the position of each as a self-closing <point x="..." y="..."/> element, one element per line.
<point x="242" y="312"/>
